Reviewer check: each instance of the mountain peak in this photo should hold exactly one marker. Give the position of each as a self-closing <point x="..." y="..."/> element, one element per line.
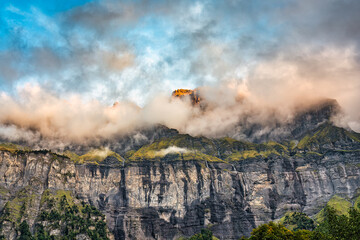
<point x="310" y="117"/>
<point x="193" y="94"/>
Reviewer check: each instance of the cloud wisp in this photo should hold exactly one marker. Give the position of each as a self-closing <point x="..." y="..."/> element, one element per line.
<point x="171" y="150"/>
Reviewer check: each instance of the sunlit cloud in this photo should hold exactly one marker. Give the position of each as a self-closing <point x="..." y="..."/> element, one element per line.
<point x="82" y="57"/>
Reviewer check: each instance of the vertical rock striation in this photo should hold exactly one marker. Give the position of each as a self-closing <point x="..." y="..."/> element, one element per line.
<point x="169" y="199"/>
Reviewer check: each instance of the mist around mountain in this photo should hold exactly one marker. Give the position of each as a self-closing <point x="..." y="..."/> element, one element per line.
<point x="311" y="129"/>
<point x="80" y="128"/>
<point x="160" y="183"/>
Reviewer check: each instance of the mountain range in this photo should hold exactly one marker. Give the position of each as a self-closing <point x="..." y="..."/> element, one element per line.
<point x="158" y="183"/>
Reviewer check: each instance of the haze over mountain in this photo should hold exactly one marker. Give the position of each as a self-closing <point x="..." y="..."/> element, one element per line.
<point x="58" y="124"/>
<point x="159" y="184"/>
<point x="157" y="119"/>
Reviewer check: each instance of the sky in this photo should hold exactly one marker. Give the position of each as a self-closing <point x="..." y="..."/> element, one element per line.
<point x="116" y="50"/>
<point x="273" y="52"/>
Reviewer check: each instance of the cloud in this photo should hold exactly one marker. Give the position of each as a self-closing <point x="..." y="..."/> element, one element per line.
<point x="324" y="22"/>
<point x="68" y="119"/>
<point x="254" y="61"/>
<point x="36" y="111"/>
<point x="171" y="150"/>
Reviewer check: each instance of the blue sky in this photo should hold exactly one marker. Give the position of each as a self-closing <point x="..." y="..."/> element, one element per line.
<point x="159" y="45"/>
<point x="128" y="50"/>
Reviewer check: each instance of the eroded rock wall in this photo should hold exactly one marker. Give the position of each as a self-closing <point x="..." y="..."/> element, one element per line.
<point x="169" y="199"/>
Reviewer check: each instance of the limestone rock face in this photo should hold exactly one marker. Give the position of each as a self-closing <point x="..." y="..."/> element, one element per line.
<point x="169" y="199"/>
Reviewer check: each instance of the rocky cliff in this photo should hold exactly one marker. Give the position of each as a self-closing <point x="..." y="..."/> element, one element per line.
<point x="193" y="95"/>
<point x="180" y="184"/>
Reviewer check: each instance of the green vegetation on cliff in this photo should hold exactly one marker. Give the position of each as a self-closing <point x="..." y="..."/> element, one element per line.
<point x="357" y="203"/>
<point x="205" y="234"/>
<point x="233" y="150"/>
<point x="277" y="231"/>
<point x="180" y="147"/>
<point x="25" y="233"/>
<point x="16" y="209"/>
<point x="94" y="156"/>
<point x="61" y="216"/>
<point x="186" y="147"/>
<point x="326" y="136"/>
<point x="297" y="221"/>
<point x="13" y="148"/>
<point x="340" y="205"/>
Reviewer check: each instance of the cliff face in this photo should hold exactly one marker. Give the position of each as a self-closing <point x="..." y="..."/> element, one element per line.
<point x="194" y="95"/>
<point x="167" y="199"/>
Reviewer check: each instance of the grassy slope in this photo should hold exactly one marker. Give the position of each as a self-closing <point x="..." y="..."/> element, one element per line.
<point x="282" y="220"/>
<point x="15" y="209"/>
<point x="327" y="134"/>
<point x="187" y="148"/>
<point x="13" y="148"/>
<point x="61" y="210"/>
<point x="94" y="156"/>
<point x="201" y="148"/>
<point x="297" y="220"/>
<point x="341" y="206"/>
<point x="216" y="150"/>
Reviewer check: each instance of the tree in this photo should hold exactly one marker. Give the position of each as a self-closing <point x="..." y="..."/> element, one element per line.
<point x="271" y="231"/>
<point x="301" y="220"/>
<point x="277" y="231"/>
<point x="25" y="233"/>
<point x="333" y="227"/>
<point x="41" y="234"/>
<point x="340" y="227"/>
<point x="205" y="234"/>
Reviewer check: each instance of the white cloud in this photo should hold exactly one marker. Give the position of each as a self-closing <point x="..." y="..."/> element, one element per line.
<point x="171" y="150"/>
